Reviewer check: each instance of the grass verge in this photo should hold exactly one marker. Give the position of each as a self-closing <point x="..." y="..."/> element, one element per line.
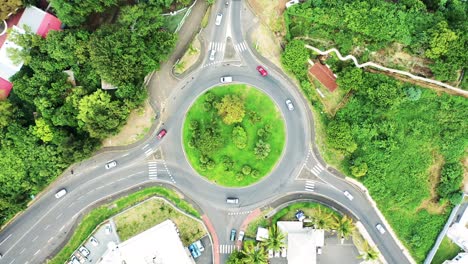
<point x="288" y="213"/>
<point x="152" y="212"/>
<point x="172" y="22"/>
<point x="206" y="17"/>
<point x="103" y="212"/>
<point x="255" y="102"/>
<point x="447" y="250"/>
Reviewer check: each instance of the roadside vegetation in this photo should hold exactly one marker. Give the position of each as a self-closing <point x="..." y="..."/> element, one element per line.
<point x="52" y="120"/>
<point x="234" y="135"/>
<point x="318" y="216"/>
<point x="152" y="212"/>
<point x="387" y="133"/>
<point x="98" y="215"/>
<point x="191" y="56"/>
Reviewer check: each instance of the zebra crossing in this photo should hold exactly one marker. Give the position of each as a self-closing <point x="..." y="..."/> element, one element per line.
<point x="218" y="46"/>
<point x="153" y="170"/>
<point x="239" y="213"/>
<point x="226" y="249"/>
<point x="310" y="186"/>
<point x="317" y="169"/>
<point x="240" y="47"/>
<point x="158" y="169"/>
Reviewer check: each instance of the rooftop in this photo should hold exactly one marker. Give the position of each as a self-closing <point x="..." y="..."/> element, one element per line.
<point x="324" y="75"/>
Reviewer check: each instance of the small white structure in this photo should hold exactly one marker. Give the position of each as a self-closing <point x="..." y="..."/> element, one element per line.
<point x="458" y="232"/>
<point x="291" y="3"/>
<point x="461" y="258"/>
<point x="262" y="234"/>
<point x="302" y="243"/>
<point x="158" y="245"/>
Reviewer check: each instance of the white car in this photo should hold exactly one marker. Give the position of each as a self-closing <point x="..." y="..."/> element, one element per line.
<point x="290" y="105"/>
<point x="226" y="79"/>
<point x="84" y="251"/>
<point x="348" y="195"/>
<point x="212" y="55"/>
<point x="319" y="250"/>
<point x="380" y="228"/>
<point x="241" y="236"/>
<point x="60" y="193"/>
<point x="111" y="164"/>
<point x="291" y="3"/>
<point x="219" y="17"/>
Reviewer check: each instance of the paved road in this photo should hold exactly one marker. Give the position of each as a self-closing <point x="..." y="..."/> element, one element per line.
<point x="44" y="227"/>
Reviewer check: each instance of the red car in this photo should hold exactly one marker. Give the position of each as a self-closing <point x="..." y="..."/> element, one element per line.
<point x="262" y="71"/>
<point x="162" y="133"/>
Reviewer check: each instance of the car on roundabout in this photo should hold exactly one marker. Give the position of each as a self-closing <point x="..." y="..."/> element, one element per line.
<point x="162" y="133"/>
<point x="262" y="71"/>
<point x="290" y="105"/>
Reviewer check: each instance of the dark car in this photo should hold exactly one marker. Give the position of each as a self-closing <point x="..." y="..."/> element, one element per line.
<point x="162" y="133"/>
<point x="233" y="234"/>
<point x="194" y="251"/>
<point x="262" y="71"/>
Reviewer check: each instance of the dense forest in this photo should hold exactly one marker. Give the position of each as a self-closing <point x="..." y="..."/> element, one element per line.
<point x="404" y="142"/>
<point x="431" y="29"/>
<point x="51" y="120"/>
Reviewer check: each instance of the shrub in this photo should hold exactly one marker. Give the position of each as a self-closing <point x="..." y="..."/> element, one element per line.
<point x="246" y="169"/>
<point x="209" y="97"/>
<point x="456" y="198"/>
<point x="239" y="176"/>
<point x="359" y="169"/>
<point x="227" y="163"/>
<point x="194" y="125"/>
<point x="207" y="106"/>
<point x="254" y="173"/>
<point x="413" y="94"/>
<point x="262" y="149"/>
<point x="239" y="137"/>
<point x="210" y="164"/>
<point x="254" y="117"/>
<point x="450" y="180"/>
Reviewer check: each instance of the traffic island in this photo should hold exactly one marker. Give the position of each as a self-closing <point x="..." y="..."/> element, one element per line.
<point x="234" y="135"/>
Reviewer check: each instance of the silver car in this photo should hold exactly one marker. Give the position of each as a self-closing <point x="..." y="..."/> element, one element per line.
<point x="348" y="195"/>
<point x="290" y="105"/>
<point x="219" y="17"/>
<point x="111" y="164"/>
<point x="380" y="228"/>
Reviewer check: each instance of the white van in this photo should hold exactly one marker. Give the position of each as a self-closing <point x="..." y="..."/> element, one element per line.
<point x="231" y="200"/>
<point x="226" y="79"/>
<point x="60" y="193"/>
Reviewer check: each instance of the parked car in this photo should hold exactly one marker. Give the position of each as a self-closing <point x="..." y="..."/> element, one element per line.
<point x="262" y="71"/>
<point x="111" y="164"/>
<point x="219" y="17"/>
<point x="348" y="195"/>
<point x="380" y="228"/>
<point x="212" y="55"/>
<point x="233" y="234"/>
<point x="241" y="236"/>
<point x="194" y="251"/>
<point x="300" y="215"/>
<point x="291" y="3"/>
<point x="60" y="193"/>
<point x="108" y="229"/>
<point x="290" y="105"/>
<point x="94" y="241"/>
<point x="84" y="251"/>
<point x="199" y="245"/>
<point x="162" y="133"/>
<point x="319" y="250"/>
<point x="226" y="79"/>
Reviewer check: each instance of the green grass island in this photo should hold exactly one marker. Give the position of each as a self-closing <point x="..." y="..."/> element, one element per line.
<point x="233" y="135"/>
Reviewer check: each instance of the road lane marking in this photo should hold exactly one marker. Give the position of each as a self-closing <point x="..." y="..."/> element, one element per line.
<point x="62" y="228"/>
<point x="145" y="146"/>
<point x="5" y="239"/>
<point x="48" y="241"/>
<point x="148" y="152"/>
<point x="70" y="205"/>
<point x="21" y="252"/>
<point x="46" y="227"/>
<point x="35" y="238"/>
<point x="239" y="213"/>
<point x="125" y="155"/>
<point x="12" y="261"/>
<point x="58" y="216"/>
<point x="309" y="186"/>
<point x="37" y="252"/>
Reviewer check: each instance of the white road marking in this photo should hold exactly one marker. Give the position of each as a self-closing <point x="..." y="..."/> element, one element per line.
<point x="239" y="213"/>
<point x="46" y="227"/>
<point x="60" y="230"/>
<point x="70" y="205"/>
<point x="5" y="239"/>
<point x="35" y="238"/>
<point x="37" y="252"/>
<point x="148" y="152"/>
<point x="309" y="186"/>
<point x="125" y="155"/>
<point x="48" y="241"/>
<point x="226" y="249"/>
<point x="21" y="252"/>
<point x="12" y="261"/>
<point x="145" y="146"/>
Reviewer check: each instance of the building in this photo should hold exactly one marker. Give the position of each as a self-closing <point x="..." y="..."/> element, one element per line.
<point x="38" y="22"/>
<point x="324" y="75"/>
<point x="302" y="242"/>
<point x="461" y="258"/>
<point x="458" y="231"/>
<point x="160" y="244"/>
<point x="262" y="234"/>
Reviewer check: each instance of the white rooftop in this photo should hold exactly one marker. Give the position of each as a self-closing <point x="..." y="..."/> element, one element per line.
<point x="458" y="232"/>
<point x="302" y="242"/>
<point x="158" y="245"/>
<point x="461" y="258"/>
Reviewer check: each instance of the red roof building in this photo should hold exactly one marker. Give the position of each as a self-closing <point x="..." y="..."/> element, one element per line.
<point x="324" y="75"/>
<point x="39" y="22"/>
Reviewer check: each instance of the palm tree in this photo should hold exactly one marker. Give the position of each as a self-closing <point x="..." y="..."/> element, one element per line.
<point x="344" y="227"/>
<point x="369" y="253"/>
<point x="236" y="257"/>
<point x="323" y="220"/>
<point x="254" y="255"/>
<point x="275" y="240"/>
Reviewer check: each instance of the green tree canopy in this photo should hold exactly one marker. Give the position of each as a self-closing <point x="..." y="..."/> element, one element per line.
<point x="231" y="109"/>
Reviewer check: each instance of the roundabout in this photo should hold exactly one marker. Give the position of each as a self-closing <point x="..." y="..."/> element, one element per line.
<point x="233" y="135"/>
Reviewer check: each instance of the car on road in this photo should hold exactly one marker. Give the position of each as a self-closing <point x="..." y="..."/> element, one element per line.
<point x="219" y="17"/>
<point x="300" y="215"/>
<point x="380" y="228"/>
<point x="111" y="164"/>
<point x="290" y="105"/>
<point x="194" y="251"/>
<point x="108" y="229"/>
<point x="60" y="193"/>
<point x="84" y="251"/>
<point x="262" y="71"/>
<point x="319" y="250"/>
<point x="232" y="200"/>
<point x="233" y="234"/>
<point x="199" y="245"/>
<point x="212" y="55"/>
<point x="94" y="241"/>
<point x="162" y="133"/>
<point x="348" y="195"/>
<point x="241" y="236"/>
<point x="226" y="79"/>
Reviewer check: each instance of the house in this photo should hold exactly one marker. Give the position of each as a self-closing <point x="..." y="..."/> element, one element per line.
<point x="461" y="258"/>
<point x="38" y="22"/>
<point x="324" y="75"/>
<point x="160" y="244"/>
<point x="302" y="242"/>
<point x="458" y="231"/>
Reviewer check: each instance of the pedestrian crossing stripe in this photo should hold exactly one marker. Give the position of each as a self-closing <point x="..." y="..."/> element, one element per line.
<point x="309" y="186"/>
<point x="227" y="249"/>
<point x="218" y="46"/>
<point x="240" y="47"/>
